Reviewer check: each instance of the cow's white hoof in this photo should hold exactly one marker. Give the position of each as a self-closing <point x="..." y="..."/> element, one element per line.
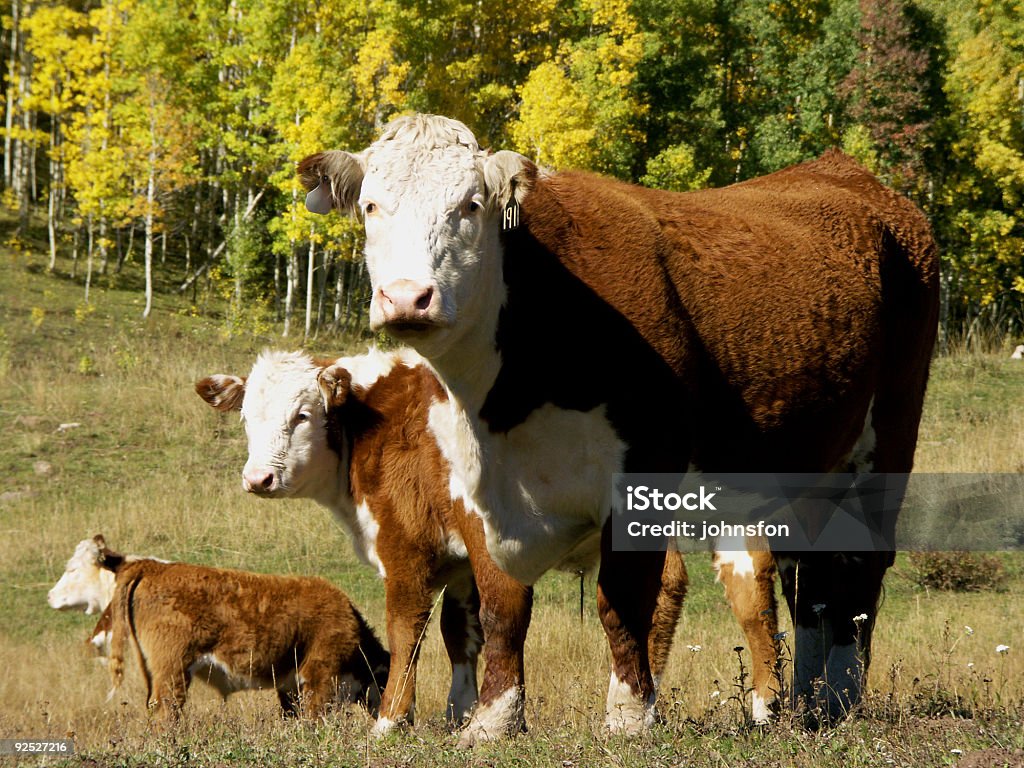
<point x="627" y="713"/>
<point x="503" y="717"/>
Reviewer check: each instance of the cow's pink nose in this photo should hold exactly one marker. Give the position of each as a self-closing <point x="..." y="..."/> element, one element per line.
<point x="407" y="301"/>
<point x="259" y="480"/>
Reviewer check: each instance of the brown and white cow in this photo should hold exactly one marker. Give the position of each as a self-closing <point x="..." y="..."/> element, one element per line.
<point x="781" y="324"/>
<point x="353" y="435"/>
<point x="241" y="631"/>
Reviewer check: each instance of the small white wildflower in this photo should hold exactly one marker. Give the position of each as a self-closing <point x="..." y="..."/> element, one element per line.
<point x="780" y="635"/>
<point x="860" y="618"/>
<point x="1002" y="648"/>
<point x="715" y="694"/>
<point x="818" y="607"/>
<point x="970" y="665"/>
<point x="694" y="648"/>
<point x="968" y="630"/>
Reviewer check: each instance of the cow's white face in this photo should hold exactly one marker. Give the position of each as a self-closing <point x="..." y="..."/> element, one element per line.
<point x="85" y="586"/>
<point x="432" y="204"/>
<point x="286" y="425"/>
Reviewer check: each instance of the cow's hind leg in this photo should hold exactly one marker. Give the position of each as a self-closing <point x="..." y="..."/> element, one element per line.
<point x="834" y="601"/>
<point x="628" y="584"/>
<point x="748" y="575"/>
<point x="505" y="607"/>
<point x="463" y="637"/>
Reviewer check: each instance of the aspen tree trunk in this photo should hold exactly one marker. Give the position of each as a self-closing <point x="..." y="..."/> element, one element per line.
<point x="150" y="205"/>
<point x="88" y="261"/>
<point x="291" y="284"/>
<point x="310" y="269"/>
<point x="12" y="63"/>
<point x="51" y="202"/>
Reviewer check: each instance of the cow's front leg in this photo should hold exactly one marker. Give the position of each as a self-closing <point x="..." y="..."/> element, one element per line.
<point x="463" y="637"/>
<point x="408" y="603"/>
<point x="505" y="606"/>
<point x="628" y="584"/>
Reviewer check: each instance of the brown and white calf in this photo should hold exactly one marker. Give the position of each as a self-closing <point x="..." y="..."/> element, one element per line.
<point x="241" y="631"/>
<point x="583" y="326"/>
<point x="354" y="435"/>
<point x="87" y="586"/>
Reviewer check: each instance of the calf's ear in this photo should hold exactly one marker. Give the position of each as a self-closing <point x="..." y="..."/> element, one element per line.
<point x="332" y="180"/>
<point x="335" y="385"/>
<point x="221" y="391"/>
<point x="109" y="559"/>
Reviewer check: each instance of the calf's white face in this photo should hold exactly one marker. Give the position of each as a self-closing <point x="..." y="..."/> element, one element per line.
<point x="285" y="423"/>
<point x="85" y="586"/>
<point x="432" y="203"/>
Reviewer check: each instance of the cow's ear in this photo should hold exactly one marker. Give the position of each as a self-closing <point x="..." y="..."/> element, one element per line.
<point x="332" y="179"/>
<point x="223" y="392"/>
<point x="507" y="177"/>
<point x="335" y="385"/>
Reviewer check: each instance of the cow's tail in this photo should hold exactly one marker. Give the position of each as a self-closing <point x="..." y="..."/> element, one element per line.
<point x="123" y="620"/>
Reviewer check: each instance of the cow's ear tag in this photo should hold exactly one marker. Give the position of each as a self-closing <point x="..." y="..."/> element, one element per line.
<point x="510" y="215"/>
<point x="319" y="199"/>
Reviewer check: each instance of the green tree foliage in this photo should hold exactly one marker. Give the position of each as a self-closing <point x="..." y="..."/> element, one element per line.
<point x="176" y="124"/>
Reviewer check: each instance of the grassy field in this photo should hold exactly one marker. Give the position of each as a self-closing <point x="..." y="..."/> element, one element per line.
<point x="155" y="470"/>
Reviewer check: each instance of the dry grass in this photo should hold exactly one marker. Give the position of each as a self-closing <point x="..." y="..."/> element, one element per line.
<point x="156" y="471"/>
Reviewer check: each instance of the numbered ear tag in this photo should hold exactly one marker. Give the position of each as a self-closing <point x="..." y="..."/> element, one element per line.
<point x="510" y="215"/>
<point x="319" y="199"/>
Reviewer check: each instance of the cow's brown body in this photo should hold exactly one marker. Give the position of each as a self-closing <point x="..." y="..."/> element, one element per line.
<point x="781" y="324"/>
<point x="243" y="630"/>
<point x="765" y="327"/>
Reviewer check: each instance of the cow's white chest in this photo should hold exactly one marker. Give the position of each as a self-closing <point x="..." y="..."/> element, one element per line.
<point x="543" y="489"/>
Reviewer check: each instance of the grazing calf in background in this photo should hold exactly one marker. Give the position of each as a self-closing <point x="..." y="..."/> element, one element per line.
<point x="353" y="434"/>
<point x="583" y="326"/>
<point x="241" y="631"/>
<point x="87" y="586"/>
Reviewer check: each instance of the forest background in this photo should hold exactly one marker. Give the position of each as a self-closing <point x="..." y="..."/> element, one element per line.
<point x="158" y="138"/>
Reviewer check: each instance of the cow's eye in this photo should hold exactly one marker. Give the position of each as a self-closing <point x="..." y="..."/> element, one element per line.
<point x="370" y="208"/>
<point x="472" y="206"/>
<point x="301" y="417"/>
